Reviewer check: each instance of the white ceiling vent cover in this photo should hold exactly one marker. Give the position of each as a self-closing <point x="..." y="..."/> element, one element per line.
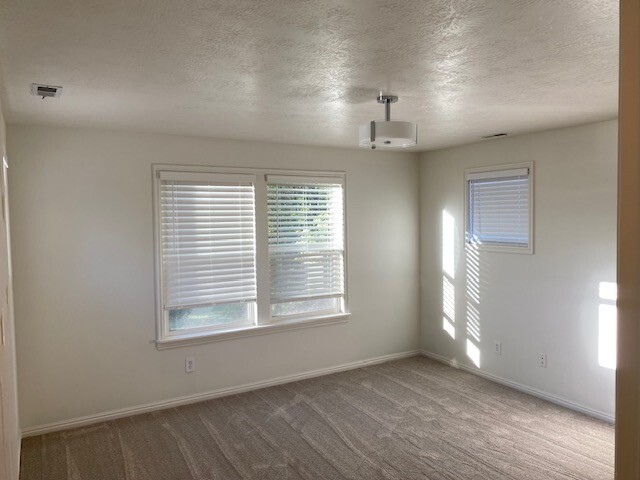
<point x="45" y="90"/>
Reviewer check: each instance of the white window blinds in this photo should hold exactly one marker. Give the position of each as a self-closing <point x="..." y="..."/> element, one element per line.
<point x="208" y="239"/>
<point x="499" y="210"/>
<point x="306" y="239"/>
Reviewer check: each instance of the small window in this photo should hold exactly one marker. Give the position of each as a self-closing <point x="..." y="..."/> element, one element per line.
<point x="306" y="246"/>
<point x="499" y="207"/>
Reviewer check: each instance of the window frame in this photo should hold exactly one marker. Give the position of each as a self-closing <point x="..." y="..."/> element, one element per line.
<point x="166" y="175"/>
<point x="340" y="303"/>
<point x="496" y="247"/>
<point x="263" y="321"/>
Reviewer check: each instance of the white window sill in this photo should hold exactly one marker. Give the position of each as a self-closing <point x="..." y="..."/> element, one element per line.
<point x="284" y="325"/>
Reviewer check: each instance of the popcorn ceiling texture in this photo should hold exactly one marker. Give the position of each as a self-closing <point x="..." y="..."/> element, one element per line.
<point x="308" y="71"/>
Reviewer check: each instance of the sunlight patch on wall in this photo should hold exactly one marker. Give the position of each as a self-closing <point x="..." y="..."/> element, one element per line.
<point x="473" y="303"/>
<point x="449" y="327"/>
<point x="608" y="291"/>
<point x="448" y="244"/>
<point x="473" y="292"/>
<point x="607" y="325"/>
<point x="448" y="267"/>
<point x="473" y="353"/>
<point x="473" y="274"/>
<point x="473" y="322"/>
<point x="448" y="299"/>
<point x="607" y="332"/>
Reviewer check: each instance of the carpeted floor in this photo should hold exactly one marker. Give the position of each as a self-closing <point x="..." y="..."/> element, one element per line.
<point x="407" y="419"/>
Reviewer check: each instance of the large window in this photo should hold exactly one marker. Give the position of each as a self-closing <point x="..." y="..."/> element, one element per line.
<point x="499" y="207"/>
<point x="306" y="246"/>
<point x="242" y="252"/>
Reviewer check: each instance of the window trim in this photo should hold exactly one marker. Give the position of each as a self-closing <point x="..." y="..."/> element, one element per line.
<point x="264" y="323"/>
<point x="229" y="334"/>
<point x="528" y="249"/>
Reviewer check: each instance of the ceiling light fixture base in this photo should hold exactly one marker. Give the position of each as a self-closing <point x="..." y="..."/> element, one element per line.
<point x="387" y="98"/>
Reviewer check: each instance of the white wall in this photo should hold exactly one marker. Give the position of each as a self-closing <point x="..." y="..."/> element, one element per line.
<point x="83" y="267"/>
<point x="83" y="261"/>
<point x="10" y="434"/>
<point x="547" y="302"/>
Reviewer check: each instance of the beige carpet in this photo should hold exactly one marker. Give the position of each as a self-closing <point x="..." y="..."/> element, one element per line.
<point x="407" y="419"/>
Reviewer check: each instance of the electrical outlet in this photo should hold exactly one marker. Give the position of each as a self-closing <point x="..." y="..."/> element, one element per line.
<point x="190" y="364"/>
<point x="542" y="360"/>
<point x="497" y="347"/>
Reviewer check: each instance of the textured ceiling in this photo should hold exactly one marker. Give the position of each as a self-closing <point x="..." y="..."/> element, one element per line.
<point x="308" y="71"/>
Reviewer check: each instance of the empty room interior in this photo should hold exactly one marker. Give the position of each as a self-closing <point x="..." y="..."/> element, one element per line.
<point x="311" y="239"/>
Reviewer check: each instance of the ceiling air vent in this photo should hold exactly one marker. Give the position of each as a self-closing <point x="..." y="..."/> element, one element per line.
<point x="45" y="90"/>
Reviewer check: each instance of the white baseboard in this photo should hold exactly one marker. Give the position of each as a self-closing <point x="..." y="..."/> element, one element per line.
<point x="523" y="388"/>
<point x="200" y="397"/>
<point x="223" y="392"/>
